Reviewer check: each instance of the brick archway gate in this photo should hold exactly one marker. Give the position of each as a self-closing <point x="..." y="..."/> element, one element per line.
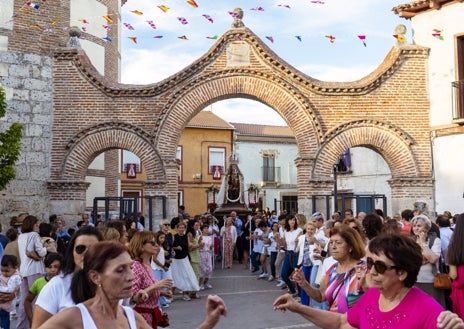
<point x="386" y="111"/>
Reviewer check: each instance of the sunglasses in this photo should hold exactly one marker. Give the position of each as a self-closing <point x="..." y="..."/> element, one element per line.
<point x="80" y="249"/>
<point x="380" y="267"/>
<point x="166" y="224"/>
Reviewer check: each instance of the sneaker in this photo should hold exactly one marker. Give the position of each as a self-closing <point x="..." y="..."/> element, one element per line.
<point x="165" y="305"/>
<point x="280" y="284"/>
<point x="202" y="287"/>
<point x="262" y="276"/>
<point x="208" y="286"/>
<point x="186" y="297"/>
<point x="271" y="278"/>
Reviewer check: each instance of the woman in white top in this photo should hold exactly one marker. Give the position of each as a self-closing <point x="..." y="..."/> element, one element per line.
<point x="306" y="244"/>
<point x="56" y="294"/>
<point x="291" y="234"/>
<point x="31" y="252"/>
<point x="97" y="288"/>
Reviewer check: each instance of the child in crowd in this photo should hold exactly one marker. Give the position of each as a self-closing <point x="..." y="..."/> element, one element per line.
<point x="158" y="265"/>
<point x="52" y="264"/>
<point x="10" y="281"/>
<point x="206" y="244"/>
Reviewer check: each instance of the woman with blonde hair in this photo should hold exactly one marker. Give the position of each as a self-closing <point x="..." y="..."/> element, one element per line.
<point x="142" y="247"/>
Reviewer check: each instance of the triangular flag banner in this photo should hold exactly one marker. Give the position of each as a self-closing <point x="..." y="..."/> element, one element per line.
<point x="208" y="17"/>
<point x="318" y="2"/>
<point x="152" y="24"/>
<point x="400" y="38"/>
<point x="157" y="36"/>
<point x="270" y="39"/>
<point x="363" y="39"/>
<point x="55" y="21"/>
<point x="134" y="39"/>
<point x="286" y="6"/>
<point x="130" y="27"/>
<point x="108" y="19"/>
<point x="138" y="13"/>
<point x="35" y="26"/>
<point x="233" y="14"/>
<point x="106" y="27"/>
<point x="331" y="38"/>
<point x="192" y="3"/>
<point x="213" y="37"/>
<point x="33" y="5"/>
<point x="298" y="37"/>
<point x="163" y="8"/>
<point x="83" y="21"/>
<point x="108" y="39"/>
<point x="258" y="8"/>
<point x="183" y="37"/>
<point x="182" y="20"/>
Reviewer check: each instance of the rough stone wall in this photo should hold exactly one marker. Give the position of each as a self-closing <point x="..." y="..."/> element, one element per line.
<point x="27" y="79"/>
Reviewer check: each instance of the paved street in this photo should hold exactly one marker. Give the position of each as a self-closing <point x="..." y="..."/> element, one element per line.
<point x="249" y="303"/>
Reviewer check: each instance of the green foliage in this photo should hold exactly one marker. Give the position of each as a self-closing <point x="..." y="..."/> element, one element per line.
<point x="10" y="146"/>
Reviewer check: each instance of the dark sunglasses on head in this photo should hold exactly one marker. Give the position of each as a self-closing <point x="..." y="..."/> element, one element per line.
<point x="80" y="249"/>
<point x="380" y="267"/>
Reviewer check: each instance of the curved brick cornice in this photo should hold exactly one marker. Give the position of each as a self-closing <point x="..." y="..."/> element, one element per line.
<point x="270" y="89"/>
<point x="71" y="185"/>
<point x="90" y="142"/>
<point x="392" y="62"/>
<point x="393" y="147"/>
<point x="401" y="133"/>
<point x="411" y="181"/>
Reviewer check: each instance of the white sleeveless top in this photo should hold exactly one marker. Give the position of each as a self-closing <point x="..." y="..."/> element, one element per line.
<point x="88" y="323"/>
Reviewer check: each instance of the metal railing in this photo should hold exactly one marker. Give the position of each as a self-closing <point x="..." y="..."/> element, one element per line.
<point x="457" y="89"/>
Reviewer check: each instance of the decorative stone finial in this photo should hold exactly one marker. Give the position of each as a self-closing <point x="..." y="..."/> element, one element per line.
<point x="238" y="18"/>
<point x="74" y="35"/>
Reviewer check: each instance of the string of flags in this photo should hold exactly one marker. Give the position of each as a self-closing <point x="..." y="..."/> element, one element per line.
<point x="110" y="20"/>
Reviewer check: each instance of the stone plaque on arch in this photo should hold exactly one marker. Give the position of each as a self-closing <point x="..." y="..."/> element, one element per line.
<point x="238" y="54"/>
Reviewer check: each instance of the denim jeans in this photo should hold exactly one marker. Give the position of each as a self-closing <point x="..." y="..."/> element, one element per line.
<point x="273" y="260"/>
<point x="290" y="261"/>
<point x="4" y="319"/>
<point x="305" y="299"/>
<point x="317" y="305"/>
<point x="254" y="257"/>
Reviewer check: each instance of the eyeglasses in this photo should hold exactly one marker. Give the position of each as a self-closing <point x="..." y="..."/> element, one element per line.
<point x="153" y="243"/>
<point x="80" y="249"/>
<point x="380" y="267"/>
<point x="165" y="224"/>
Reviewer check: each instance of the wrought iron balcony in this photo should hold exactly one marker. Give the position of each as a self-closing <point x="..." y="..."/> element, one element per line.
<point x="458" y="100"/>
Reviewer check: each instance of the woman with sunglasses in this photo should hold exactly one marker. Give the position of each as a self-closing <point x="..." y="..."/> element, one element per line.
<point x="56" y="295"/>
<point x="393" y="301"/>
<point x="97" y="288"/>
<point x="142" y="247"/>
<point x="340" y="286"/>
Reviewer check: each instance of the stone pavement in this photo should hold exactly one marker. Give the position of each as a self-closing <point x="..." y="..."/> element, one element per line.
<point x="249" y="303"/>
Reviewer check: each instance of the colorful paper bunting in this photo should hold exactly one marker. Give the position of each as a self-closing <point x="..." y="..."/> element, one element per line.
<point x="133" y="39"/>
<point x="331" y="38"/>
<point x="157" y="36"/>
<point x="183" y="37"/>
<point x="270" y="39"/>
<point x="108" y="19"/>
<point x="400" y="38"/>
<point x="163" y="8"/>
<point x="130" y="27"/>
<point x="182" y="20"/>
<point x="55" y="21"/>
<point x="258" y="8"/>
<point x="208" y="17"/>
<point x="363" y="39"/>
<point x="138" y="13"/>
<point x="298" y="37"/>
<point x="318" y="2"/>
<point x="214" y="37"/>
<point x="108" y="39"/>
<point x="152" y="24"/>
<point x="192" y="3"/>
<point x="106" y="27"/>
<point x="25" y="10"/>
<point x="234" y="14"/>
<point x="83" y="21"/>
<point x="437" y="34"/>
<point x="286" y="6"/>
<point x="33" y="5"/>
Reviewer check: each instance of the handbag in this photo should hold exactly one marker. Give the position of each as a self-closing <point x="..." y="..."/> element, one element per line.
<point x="162" y="318"/>
<point x="442" y="281"/>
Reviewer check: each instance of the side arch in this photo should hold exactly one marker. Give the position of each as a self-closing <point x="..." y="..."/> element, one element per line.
<point x="85" y="146"/>
<point x="392" y="143"/>
<point x="268" y="89"/>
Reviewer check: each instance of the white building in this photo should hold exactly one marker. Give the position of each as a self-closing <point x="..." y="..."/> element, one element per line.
<point x="438" y="25"/>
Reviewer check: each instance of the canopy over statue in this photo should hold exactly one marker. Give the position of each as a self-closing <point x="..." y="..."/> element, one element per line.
<point x="232" y="195"/>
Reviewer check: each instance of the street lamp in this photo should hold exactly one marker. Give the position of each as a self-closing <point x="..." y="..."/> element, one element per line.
<point x="335" y="187"/>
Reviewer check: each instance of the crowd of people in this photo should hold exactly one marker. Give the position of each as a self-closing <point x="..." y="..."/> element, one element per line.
<point x="346" y="272"/>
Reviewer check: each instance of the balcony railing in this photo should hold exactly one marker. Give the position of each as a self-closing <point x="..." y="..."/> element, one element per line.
<point x="458" y="99"/>
<point x="271" y="174"/>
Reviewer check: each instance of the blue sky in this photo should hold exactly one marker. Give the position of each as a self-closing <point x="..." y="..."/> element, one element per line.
<point x="347" y="59"/>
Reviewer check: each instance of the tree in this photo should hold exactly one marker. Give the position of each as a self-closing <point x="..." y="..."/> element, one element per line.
<point x="10" y="146"/>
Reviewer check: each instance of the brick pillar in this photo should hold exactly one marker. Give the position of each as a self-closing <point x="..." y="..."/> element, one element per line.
<point x="67" y="198"/>
<point x="112" y="177"/>
<point x="406" y="191"/>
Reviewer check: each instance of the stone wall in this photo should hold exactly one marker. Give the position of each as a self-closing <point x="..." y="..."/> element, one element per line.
<point x="27" y="80"/>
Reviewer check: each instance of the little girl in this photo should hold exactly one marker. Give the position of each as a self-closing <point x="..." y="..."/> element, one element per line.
<point x="10" y="281"/>
<point x="206" y="244"/>
<point x="158" y="265"/>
